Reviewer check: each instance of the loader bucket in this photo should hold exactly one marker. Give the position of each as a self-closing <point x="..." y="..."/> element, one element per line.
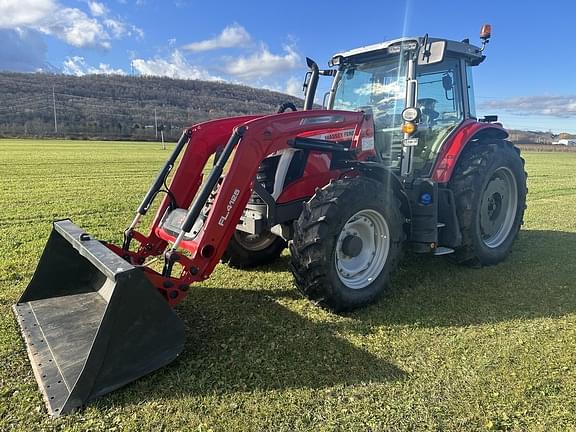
<point x="91" y="321"/>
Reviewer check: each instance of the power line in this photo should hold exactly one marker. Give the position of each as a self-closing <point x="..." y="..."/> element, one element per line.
<point x="23" y="105"/>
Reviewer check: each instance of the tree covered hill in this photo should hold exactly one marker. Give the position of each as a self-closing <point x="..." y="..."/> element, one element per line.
<point x="129" y="107"/>
<point x="120" y="107"/>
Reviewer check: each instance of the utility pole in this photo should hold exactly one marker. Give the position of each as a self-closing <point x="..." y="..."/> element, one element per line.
<point x="156" y="123"/>
<point x="54" y="105"/>
<point x="161" y="129"/>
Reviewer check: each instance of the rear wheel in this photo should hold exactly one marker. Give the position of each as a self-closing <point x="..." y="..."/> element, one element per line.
<point x="347" y="242"/>
<point x="489" y="185"/>
<point x="251" y="250"/>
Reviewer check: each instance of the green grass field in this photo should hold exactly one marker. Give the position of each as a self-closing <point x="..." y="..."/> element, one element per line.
<point x="450" y="348"/>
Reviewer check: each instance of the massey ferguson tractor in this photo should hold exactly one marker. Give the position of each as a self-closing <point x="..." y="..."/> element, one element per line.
<point x="395" y="160"/>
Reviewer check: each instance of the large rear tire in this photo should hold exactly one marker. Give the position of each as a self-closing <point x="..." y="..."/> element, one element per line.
<point x="347" y="242"/>
<point x="489" y="185"/>
<point x="252" y="250"/>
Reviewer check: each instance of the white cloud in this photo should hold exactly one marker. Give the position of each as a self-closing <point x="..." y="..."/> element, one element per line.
<point x="71" y="25"/>
<point x="263" y="63"/>
<point x="20" y="13"/>
<point x="75" y="28"/>
<point x="76" y="65"/>
<point x="294" y="87"/>
<point x="117" y="28"/>
<point x="550" y="106"/>
<point x="120" y="29"/>
<point x="175" y="67"/>
<point x="232" y="36"/>
<point x="97" y="8"/>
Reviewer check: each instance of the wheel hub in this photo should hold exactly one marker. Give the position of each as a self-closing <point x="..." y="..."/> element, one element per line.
<point x="498" y="207"/>
<point x="362" y="248"/>
<point x="352" y="246"/>
<point x="254" y="242"/>
<point x="495" y="206"/>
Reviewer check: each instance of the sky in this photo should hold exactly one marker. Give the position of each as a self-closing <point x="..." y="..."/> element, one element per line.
<point x="528" y="78"/>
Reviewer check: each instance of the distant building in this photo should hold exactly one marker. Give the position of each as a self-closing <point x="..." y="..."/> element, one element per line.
<point x="566" y="142"/>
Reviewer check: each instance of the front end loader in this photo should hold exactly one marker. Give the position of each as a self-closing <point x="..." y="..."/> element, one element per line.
<point x="396" y="159"/>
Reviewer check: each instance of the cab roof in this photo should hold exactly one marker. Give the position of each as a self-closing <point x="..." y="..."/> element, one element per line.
<point x="460" y="49"/>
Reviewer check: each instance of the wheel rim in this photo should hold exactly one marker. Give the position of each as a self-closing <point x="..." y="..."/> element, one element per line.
<point x="254" y="242"/>
<point x="362" y="249"/>
<point x="498" y="207"/>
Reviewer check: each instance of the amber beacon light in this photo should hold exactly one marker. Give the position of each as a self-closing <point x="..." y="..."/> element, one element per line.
<point x="409" y="128"/>
<point x="486" y="32"/>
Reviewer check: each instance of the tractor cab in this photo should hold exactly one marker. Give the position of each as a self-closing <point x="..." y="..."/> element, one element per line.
<point x="418" y="91"/>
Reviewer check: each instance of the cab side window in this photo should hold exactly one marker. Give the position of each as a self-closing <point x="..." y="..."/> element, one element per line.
<point x="440" y="102"/>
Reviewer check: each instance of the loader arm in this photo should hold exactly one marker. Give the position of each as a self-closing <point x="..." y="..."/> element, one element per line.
<point x="261" y="137"/>
<point x="252" y="139"/>
<point x="201" y="142"/>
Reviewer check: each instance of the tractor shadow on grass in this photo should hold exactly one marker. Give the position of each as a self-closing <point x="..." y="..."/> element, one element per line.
<point x="536" y="281"/>
<point x="245" y="340"/>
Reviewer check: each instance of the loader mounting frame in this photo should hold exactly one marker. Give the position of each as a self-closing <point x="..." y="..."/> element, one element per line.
<point x="252" y="138"/>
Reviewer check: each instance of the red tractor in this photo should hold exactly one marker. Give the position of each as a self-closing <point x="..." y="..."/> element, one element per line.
<point x="397" y="160"/>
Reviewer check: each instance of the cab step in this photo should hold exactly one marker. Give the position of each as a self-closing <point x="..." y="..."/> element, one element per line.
<point x="443" y="250"/>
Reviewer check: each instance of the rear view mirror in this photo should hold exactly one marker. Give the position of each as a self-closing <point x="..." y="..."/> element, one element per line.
<point x="447" y="82"/>
<point x="432" y="52"/>
<point x="448" y="86"/>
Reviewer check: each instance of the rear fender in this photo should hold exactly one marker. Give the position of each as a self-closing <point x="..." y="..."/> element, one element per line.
<point x="468" y="132"/>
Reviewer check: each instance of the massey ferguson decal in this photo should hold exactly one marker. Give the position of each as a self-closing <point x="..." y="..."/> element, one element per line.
<point x="340" y="135"/>
<point x="229" y="207"/>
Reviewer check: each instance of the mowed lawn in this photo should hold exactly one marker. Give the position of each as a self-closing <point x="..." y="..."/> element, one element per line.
<point x="450" y="348"/>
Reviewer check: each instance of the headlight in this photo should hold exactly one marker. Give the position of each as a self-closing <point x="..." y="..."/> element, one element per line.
<point x="410" y="114"/>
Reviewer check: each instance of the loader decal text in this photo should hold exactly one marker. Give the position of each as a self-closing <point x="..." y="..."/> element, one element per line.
<point x="229" y="207"/>
<point x="335" y="136"/>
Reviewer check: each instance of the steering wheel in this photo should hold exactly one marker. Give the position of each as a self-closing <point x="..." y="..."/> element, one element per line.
<point x="285" y="106"/>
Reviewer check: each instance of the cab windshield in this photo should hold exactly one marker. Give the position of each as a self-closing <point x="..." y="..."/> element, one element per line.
<point x="378" y="87"/>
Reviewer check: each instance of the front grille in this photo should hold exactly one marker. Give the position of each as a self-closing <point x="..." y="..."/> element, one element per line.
<point x="265" y="176"/>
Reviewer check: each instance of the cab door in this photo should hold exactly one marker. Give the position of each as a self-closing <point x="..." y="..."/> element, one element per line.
<point x="442" y="103"/>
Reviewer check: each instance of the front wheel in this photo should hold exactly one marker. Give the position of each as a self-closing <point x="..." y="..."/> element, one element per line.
<point x="251" y="250"/>
<point x="489" y="186"/>
<point x="347" y="242"/>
